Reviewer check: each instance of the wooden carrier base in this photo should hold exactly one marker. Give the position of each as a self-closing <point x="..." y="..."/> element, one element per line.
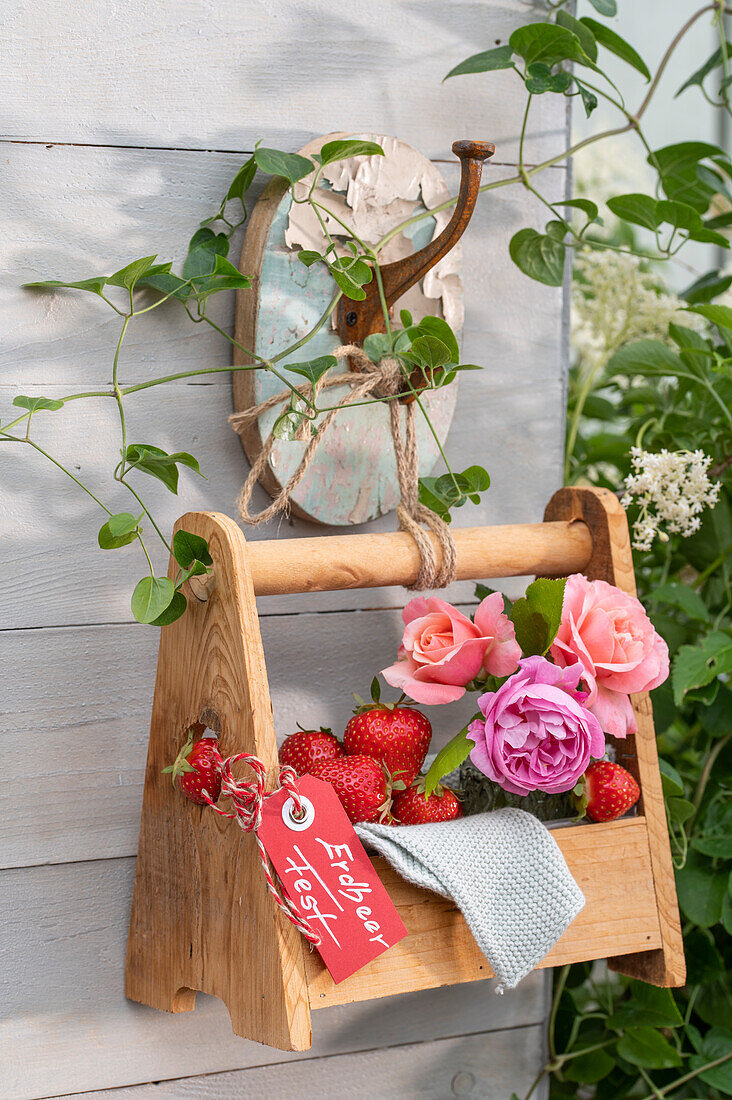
<point x="202" y="918"/>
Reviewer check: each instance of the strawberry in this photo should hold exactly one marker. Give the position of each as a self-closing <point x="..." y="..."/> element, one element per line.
<point x="411" y="807"/>
<point x="197" y="769"/>
<point x="307" y="748"/>
<point x="606" y="791"/>
<point x="361" y="785"/>
<point x="397" y="736"/>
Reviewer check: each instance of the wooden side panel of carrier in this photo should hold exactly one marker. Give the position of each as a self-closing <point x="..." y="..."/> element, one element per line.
<point x="612" y="866"/>
<point x="202" y="918"/>
<point x="612" y="561"/>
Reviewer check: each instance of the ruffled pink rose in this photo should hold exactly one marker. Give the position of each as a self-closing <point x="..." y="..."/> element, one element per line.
<point x="611" y="636"/>
<point x="442" y="650"/>
<point x="536" y="733"/>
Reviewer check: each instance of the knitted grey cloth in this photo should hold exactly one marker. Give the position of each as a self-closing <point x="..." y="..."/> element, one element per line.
<point x="503" y="869"/>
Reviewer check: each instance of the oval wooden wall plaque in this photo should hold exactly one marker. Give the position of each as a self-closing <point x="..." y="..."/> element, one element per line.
<point x="352" y="477"/>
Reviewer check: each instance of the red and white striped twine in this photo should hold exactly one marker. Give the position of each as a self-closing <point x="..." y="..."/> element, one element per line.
<point x="247" y="799"/>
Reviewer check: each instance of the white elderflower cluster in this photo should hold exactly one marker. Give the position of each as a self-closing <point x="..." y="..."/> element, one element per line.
<point x="614" y="301"/>
<point x="672" y="488"/>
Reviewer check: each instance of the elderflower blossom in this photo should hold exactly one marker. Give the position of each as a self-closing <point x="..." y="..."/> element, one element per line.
<point x="671" y="488"/>
<point x="614" y="301"/>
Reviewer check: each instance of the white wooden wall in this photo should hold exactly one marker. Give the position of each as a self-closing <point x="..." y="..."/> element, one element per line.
<point x="122" y="123"/>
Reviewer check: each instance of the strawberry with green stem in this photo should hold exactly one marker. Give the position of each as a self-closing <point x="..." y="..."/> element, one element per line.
<point x="605" y="792"/>
<point x="397" y="736"/>
<point x="197" y="768"/>
<point x="305" y="749"/>
<point x="414" y="807"/>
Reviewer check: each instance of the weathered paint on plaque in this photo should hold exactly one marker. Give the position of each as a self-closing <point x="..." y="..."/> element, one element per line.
<point x="352" y="477"/>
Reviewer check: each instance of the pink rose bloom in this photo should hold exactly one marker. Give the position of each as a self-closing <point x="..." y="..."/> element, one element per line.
<point x="536" y="734"/>
<point x="442" y="650"/>
<point x="611" y="636"/>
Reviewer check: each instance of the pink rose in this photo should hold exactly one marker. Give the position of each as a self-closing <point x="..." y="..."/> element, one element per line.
<point x="442" y="650"/>
<point x="536" y="734"/>
<point x="611" y="636"/>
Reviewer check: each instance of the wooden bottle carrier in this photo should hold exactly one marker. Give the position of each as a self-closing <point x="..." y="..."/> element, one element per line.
<point x="202" y="918"/>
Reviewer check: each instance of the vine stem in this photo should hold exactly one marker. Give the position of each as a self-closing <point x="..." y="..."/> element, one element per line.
<point x="707" y="771"/>
<point x="689" y="1077"/>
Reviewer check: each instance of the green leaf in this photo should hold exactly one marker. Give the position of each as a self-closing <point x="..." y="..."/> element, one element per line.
<point x="645" y="357"/>
<point x="223" y="277"/>
<point x="538" y="614"/>
<point x="287" y="425"/>
<point x="308" y="257"/>
<point x="679" y="168"/>
<point x="548" y="43"/>
<point x="682" y="216"/>
<point x="694" y="666"/>
<point x="649" y="1006"/>
<point x="617" y="45"/>
<point x="188" y="548"/>
<point x="605" y="7"/>
<point x="716" y="1044"/>
<point x="314" y="369"/>
<point x="161" y="278"/>
<point x="151" y="597"/>
<point x="538" y="255"/>
<point x="716" y="832"/>
<point x="721" y="316"/>
<point x="173" y="611"/>
<point x="707" y="287"/>
<point x="587" y="206"/>
<point x="671" y="781"/>
<point x="376" y="346"/>
<point x="119" y="530"/>
<point x="589" y="99"/>
<point x="682" y="596"/>
<point x="348" y="147"/>
<point x="350" y="274"/>
<point x="95" y="285"/>
<point x="540" y="79"/>
<point x="709" y="65"/>
<point x="34" y="404"/>
<point x="204" y="247"/>
<point x="453" y="490"/>
<point x="589" y="1068"/>
<point x="290" y="166"/>
<point x="485" y="62"/>
<point x="128" y="276"/>
<point x="242" y="181"/>
<point x="157" y="463"/>
<point x="430" y="352"/>
<point x="583" y="32"/>
<point x="437" y="326"/>
<point x="450" y="757"/>
<point x="700" y="891"/>
<point x="642" y="1046"/>
<point x="636" y="208"/>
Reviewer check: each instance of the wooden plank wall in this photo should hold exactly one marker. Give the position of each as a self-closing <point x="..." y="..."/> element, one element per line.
<point x="121" y="127"/>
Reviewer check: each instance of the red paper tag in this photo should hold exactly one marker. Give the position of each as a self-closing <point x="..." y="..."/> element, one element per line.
<point x="329" y="878"/>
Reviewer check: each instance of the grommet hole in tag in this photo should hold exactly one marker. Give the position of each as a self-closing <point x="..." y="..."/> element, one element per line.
<point x="298" y="820"/>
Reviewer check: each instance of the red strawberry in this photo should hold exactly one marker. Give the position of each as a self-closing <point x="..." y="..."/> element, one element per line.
<point x="410" y="807"/>
<point x="397" y="736"/>
<point x="196" y="769"/>
<point x="361" y="785"/>
<point x="608" y="791"/>
<point x="307" y="748"/>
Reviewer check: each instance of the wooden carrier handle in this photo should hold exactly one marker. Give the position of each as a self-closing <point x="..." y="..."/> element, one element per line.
<point x="324" y="564"/>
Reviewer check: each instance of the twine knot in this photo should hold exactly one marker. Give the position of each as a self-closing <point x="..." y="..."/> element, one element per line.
<point x="247" y="800"/>
<point x="383" y="381"/>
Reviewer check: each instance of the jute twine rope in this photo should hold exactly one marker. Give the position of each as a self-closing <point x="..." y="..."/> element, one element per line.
<point x="382" y="380"/>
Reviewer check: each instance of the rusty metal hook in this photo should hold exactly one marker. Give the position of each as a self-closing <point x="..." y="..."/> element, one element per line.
<point x="357" y="320"/>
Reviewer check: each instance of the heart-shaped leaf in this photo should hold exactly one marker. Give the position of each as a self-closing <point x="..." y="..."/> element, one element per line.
<point x="314" y="369"/>
<point x="344" y="148"/>
<point x="290" y="166"/>
<point x="485" y="62"/>
<point x="151" y="597"/>
<point x="34" y="404"/>
<point x="538" y="255"/>
<point x="188" y="548"/>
